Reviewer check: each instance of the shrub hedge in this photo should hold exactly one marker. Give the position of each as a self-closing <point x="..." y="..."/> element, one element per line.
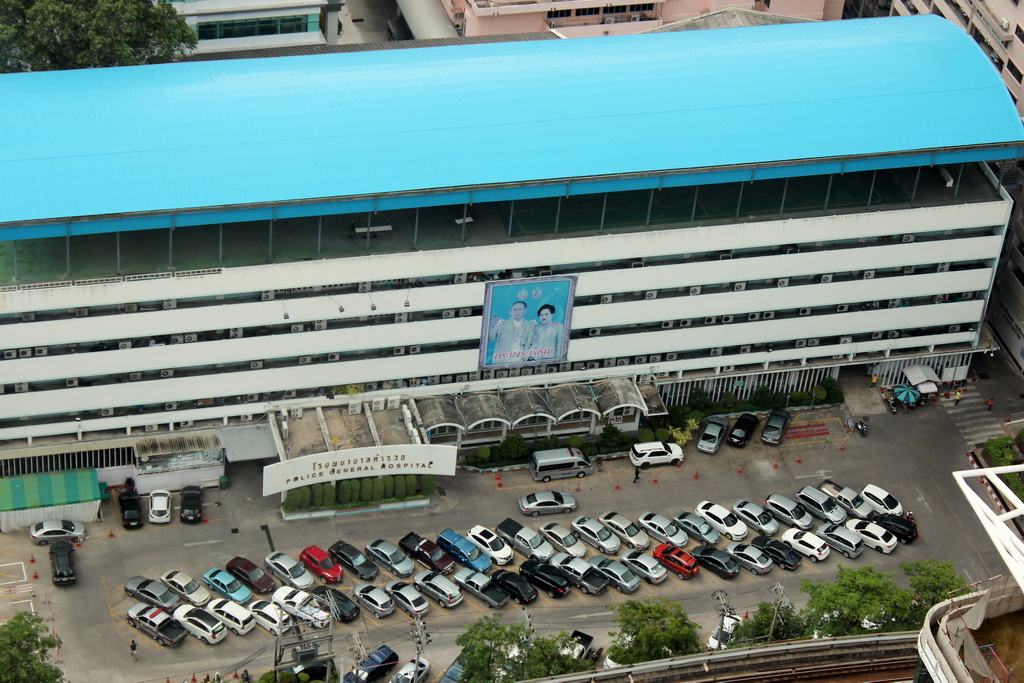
<point x="359" y="492"/>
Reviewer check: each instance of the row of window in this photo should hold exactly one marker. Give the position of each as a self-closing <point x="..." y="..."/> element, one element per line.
<point x="593" y="11"/>
<point x="263" y="26"/>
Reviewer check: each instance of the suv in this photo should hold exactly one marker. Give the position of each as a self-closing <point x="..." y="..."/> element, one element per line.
<point x="789" y="511"/>
<point x="62" y="563"/>
<point x="821" y="505"/>
<point x="775" y="427"/>
<point x="463" y="550"/>
<point x="643" y="455"/>
<point x="131" y="509"/>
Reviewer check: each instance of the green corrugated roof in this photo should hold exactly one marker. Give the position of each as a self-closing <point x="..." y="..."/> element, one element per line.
<point x="52" y="488"/>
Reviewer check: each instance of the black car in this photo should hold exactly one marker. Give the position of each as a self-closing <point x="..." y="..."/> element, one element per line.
<point x="515" y="585"/>
<point x="377" y="665"/>
<point x="191" y="505"/>
<point x="131" y="509"/>
<point x="348" y="555"/>
<point x="780" y="553"/>
<point x="332" y="600"/>
<point x="902" y="528"/>
<point x="744" y="428"/>
<point x="549" y="579"/>
<point x="62" y="563"/>
<point x="716" y="561"/>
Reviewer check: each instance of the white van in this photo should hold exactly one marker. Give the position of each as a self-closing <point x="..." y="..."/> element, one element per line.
<point x="560" y="463"/>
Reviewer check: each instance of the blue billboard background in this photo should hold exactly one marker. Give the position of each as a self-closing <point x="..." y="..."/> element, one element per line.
<point x="526" y="322"/>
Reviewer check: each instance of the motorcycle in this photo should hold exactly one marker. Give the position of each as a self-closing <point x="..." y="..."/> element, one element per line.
<point x="862" y="427"/>
<point x="892" y="405"/>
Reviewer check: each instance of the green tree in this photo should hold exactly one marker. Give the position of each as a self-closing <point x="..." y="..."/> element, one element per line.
<point x="316" y="496"/>
<point x="428" y="482"/>
<point x="291" y="501"/>
<point x="493" y="652"/>
<point x="366" y="490"/>
<point x="410" y="485"/>
<point x="931" y="582"/>
<point x="513" y="449"/>
<point x="575" y="441"/>
<point x="305" y="495"/>
<point x="47" y="35"/>
<point x="700" y="399"/>
<point x="765" y="626"/>
<point x="653" y="628"/>
<point x="645" y="435"/>
<point x="25" y="648"/>
<point x="378" y="490"/>
<point x="344" y="494"/>
<point x="389" y="487"/>
<point x="328" y="495"/>
<point x="483" y="454"/>
<point x="400" y="487"/>
<point x="858" y="601"/>
<point x="611" y="438"/>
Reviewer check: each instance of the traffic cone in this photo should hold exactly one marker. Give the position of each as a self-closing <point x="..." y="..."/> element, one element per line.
<point x="775" y="466"/>
<point x="193" y="678"/>
<point x="617" y="486"/>
<point x="842" y="446"/>
<point x="110" y="534"/>
<point x="577" y="488"/>
<point x="679" y="464"/>
<point x="746" y="615"/>
<point x="696" y="474"/>
<point x="35" y="575"/>
<point x="206" y="520"/>
<point x="497" y="480"/>
<point x="31" y="559"/>
<point x="739" y="470"/>
<point x="655" y="480"/>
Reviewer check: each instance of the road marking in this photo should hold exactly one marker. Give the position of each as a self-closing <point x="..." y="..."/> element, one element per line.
<point x="208" y="542"/>
<point x="921" y="499"/>
<point x="587" y="616"/>
<point x="820" y="474"/>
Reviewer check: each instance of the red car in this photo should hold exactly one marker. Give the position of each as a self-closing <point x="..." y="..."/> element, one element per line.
<point x="676" y="560"/>
<point x="252" y="576"/>
<point x="320" y="563"/>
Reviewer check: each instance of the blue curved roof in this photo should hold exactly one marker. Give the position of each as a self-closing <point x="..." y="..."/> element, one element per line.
<point x="174" y="137"/>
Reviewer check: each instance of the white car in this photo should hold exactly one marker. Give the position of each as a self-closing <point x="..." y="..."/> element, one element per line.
<point x="596" y="534"/>
<point x="186" y="587"/>
<point x="160" y="506"/>
<point x="490" y="545"/>
<point x="301" y="605"/>
<point x="873" y="535"/>
<point x="719" y="638"/>
<point x="722" y="519"/>
<point x="881" y="500"/>
<point x="663" y="529"/>
<point x="270" y="616"/>
<point x="806" y="543"/>
<point x="414" y="671"/>
<point x="289" y="570"/>
<point x="563" y="539"/>
<point x="630" y="534"/>
<point x="238" y="619"/>
<point x="643" y="455"/>
<point x="200" y="624"/>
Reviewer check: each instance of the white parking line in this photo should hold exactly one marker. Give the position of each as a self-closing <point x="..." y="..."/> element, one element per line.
<point x="207" y="542"/>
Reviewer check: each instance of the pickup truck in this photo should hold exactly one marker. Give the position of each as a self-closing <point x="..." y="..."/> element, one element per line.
<point x="301" y="605"/>
<point x="427" y="553"/>
<point x="526" y="540"/>
<point x="582" y="575"/>
<point x="581" y="647"/>
<point x="481" y="586"/>
<point x="846" y="498"/>
<point x="463" y="550"/>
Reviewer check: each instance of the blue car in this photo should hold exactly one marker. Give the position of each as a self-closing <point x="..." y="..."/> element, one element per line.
<point x="464" y="551"/>
<point x="222" y="583"/>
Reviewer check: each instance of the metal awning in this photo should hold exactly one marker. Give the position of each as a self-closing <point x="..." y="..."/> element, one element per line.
<point x="916" y="374"/>
<point x="567" y="399"/>
<point x="618" y="392"/>
<point x="251" y="442"/>
<point x="523" y="404"/>
<point x="655" y="406"/>
<point x="484" y="407"/>
<point x="438" y="411"/>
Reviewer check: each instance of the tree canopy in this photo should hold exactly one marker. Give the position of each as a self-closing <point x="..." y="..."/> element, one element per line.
<point x="654" y="628"/>
<point x="931" y="582"/>
<point x="47" y="35"/>
<point x="858" y="601"/>
<point x="765" y="626"/>
<point x="493" y="652"/>
<point x="25" y="648"/>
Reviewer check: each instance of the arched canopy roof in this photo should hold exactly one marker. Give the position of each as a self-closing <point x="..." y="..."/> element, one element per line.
<point x="439" y="411"/>
<point x="485" y="406"/>
<point x="522" y="404"/>
<point x="618" y="392"/>
<point x="567" y="399"/>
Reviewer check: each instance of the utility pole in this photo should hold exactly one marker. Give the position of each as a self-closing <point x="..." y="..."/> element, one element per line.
<point x="420" y="636"/>
<point x="359" y="651"/>
<point x="722" y="609"/>
<point x="780" y="601"/>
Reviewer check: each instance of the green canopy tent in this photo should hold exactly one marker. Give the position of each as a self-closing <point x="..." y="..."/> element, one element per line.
<point x="31" y="498"/>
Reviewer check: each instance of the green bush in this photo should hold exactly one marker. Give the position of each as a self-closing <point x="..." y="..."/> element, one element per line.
<point x="399" y="487"/>
<point x="366" y="490"/>
<point x="799" y="398"/>
<point x="611" y="438"/>
<point x="590" y="449"/>
<point x="818" y="393"/>
<point x="328" y="497"/>
<point x="389" y="487"/>
<point x="763" y="398"/>
<point x="544" y="443"/>
<point x="728" y="400"/>
<point x="694" y="416"/>
<point x="304" y="498"/>
<point x="512" y="449"/>
<point x="700" y="399"/>
<point x="378" y="490"/>
<point x="471" y="459"/>
<point x="428" y="482"/>
<point x="483" y="454"/>
<point x="316" y="496"/>
<point x="344" y="494"/>
<point x="291" y="501"/>
<point x="645" y="435"/>
<point x="662" y="434"/>
<point x="677" y="415"/>
<point x="575" y="441"/>
<point x="833" y="394"/>
<point x="1000" y="452"/>
<point x="410" y="485"/>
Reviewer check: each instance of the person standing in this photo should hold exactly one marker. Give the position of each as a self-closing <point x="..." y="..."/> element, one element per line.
<point x="636" y="474"/>
<point x="991" y="402"/>
<point x="874" y="380"/>
<point x="134" y="647"/>
<point x="958" y="396"/>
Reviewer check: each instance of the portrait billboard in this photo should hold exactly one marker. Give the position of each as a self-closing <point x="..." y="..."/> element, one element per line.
<point x="526" y="322"/>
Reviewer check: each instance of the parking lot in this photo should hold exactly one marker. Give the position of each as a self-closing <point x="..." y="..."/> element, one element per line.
<point x="907" y="454"/>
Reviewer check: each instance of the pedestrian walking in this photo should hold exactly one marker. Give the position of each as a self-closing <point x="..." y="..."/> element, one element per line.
<point x="874" y="381"/>
<point x="959" y="396"/>
<point x="134" y="647"/>
<point x="991" y="402"/>
<point x="636" y="474"/>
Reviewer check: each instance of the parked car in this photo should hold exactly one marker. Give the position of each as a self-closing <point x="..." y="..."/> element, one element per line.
<point x="789" y="511"/>
<point x="302" y="606"/>
<point x="407" y="598"/>
<point x="351" y="557"/>
<point x="546" y="503"/>
<point x="627" y="531"/>
<point x="873" y="535"/>
<point x="821" y="505"/>
<point x="271" y="617"/>
<point x="755" y="517"/>
<point x="62" y="564"/>
<point x="151" y="592"/>
<point x="235" y="617"/>
<point x="881" y="500"/>
<point x="250" y="575"/>
<point x="131" y="510"/>
<point x="438" y="587"/>
<point x="200" y="624"/>
<point x="155" y="623"/>
<point x="373" y="599"/>
<point x="321" y="564"/>
<point x="222" y="583"/>
<point x="332" y="600"/>
<point x="743" y="430"/>
<point x="56" y="530"/>
<point x="720" y="637"/>
<point x="775" y="427"/>
<point x="288" y="570"/>
<point x="160" y="506"/>
<point x="582" y="575"/>
<point x="480" y="585"/>
<point x="544" y="577"/>
<point x="414" y="671"/>
<point x="387" y="555"/>
<point x="426" y="552"/>
<point x="191" y="505"/>
<point x="716" y="561"/>
<point x="621" y="577"/>
<point x="902" y="528"/>
<point x="375" y="667"/>
<point x="563" y="540"/>
<point x="781" y="554"/>
<point x="712" y="435"/>
<point x="185" y="587"/>
<point x="518" y="588"/>
<point x="806" y="543"/>
<point x="841" y="539"/>
<point x="847" y="498"/>
<point x="644" y="566"/>
<point x="750" y="557"/>
<point x="593" y="532"/>
<point x="722" y="520"/>
<point x="676" y="560"/>
<point x="526" y="540"/>
<point x="697" y="527"/>
<point x="644" y="455"/>
<point x="663" y="529"/>
<point x="490" y="544"/>
<point x="463" y="550"/>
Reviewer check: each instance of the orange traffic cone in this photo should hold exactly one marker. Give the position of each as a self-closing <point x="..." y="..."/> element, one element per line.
<point x="842" y="446"/>
<point x="696" y="474"/>
<point x="617" y="486"/>
<point x="775" y="466"/>
<point x="655" y="480"/>
<point x="31" y="559"/>
<point x="798" y="460"/>
<point x="739" y="470"/>
<point x="35" y="575"/>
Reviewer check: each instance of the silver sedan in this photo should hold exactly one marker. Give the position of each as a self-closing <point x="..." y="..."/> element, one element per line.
<point x="632" y="535"/>
<point x="596" y="534"/>
<point x="663" y="529"/>
<point x="546" y="503"/>
<point x="749" y="557"/>
<point x="645" y="566"/>
<point x="622" y="578"/>
<point x="756" y="517"/>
